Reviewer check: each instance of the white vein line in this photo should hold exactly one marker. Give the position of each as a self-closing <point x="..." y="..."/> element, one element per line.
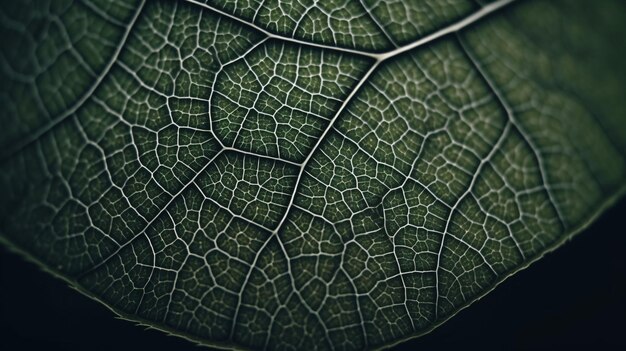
<point x="454" y="27"/>
<point x="154" y="218"/>
<point x="102" y="14"/>
<point x="513" y="119"/>
<point x="382" y="28"/>
<point x="60" y="118"/>
<point x="487" y="159"/>
<point x="278" y="36"/>
<point x="274" y="233"/>
<point x="322" y="137"/>
<point x="244" y="285"/>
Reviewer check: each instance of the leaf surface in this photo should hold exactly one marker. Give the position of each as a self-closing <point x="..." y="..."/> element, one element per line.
<point x="295" y="174"/>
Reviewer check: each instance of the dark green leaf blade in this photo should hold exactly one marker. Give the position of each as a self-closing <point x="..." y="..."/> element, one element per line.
<point x="282" y="175"/>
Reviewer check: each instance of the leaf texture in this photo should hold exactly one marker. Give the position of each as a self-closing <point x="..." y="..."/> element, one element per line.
<point x="295" y="174"/>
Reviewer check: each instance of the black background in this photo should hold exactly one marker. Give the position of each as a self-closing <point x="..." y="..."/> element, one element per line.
<point x="574" y="297"/>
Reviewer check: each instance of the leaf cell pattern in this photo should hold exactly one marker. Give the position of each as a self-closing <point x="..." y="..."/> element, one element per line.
<point x="295" y="174"/>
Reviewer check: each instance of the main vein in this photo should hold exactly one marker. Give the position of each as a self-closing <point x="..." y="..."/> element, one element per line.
<point x="379" y="57"/>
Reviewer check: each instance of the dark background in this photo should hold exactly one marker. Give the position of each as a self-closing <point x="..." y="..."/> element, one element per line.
<point x="574" y="297"/>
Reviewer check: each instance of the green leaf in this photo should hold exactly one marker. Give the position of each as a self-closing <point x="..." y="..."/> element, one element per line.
<point x="296" y="174"/>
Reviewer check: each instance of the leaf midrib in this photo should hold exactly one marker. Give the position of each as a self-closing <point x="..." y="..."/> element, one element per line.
<point x="456" y="26"/>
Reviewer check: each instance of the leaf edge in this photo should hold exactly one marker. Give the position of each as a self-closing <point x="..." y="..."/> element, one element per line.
<point x="619" y="194"/>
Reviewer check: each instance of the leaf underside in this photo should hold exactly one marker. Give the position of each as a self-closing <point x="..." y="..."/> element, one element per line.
<point x="291" y="174"/>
